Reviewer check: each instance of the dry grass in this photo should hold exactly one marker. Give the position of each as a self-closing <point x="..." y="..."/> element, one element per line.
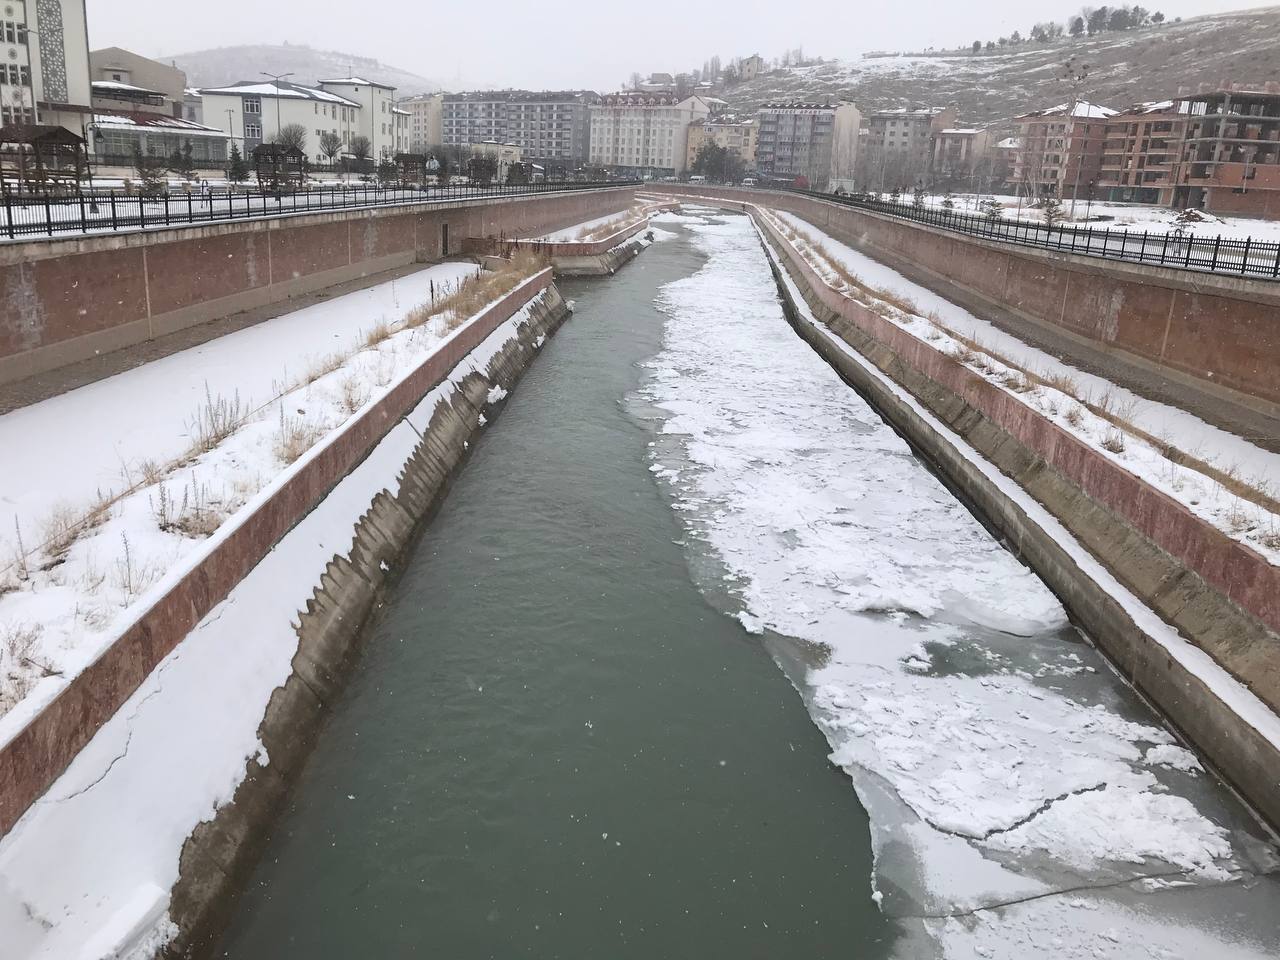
<point x="1075" y="415"/>
<point x="323" y="365"/>
<point x="216" y="419"/>
<point x="294" y="437"/>
<point x="477" y="292"/>
<point x="377" y="333"/>
<point x="195" y="515"/>
<point x="962" y="353"/>
<point x="22" y="668"/>
<point x="353" y="393"/>
<point x="1062" y="382"/>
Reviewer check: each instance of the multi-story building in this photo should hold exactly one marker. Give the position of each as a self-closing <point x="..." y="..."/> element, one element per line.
<point x="425" y="115"/>
<point x="900" y="146"/>
<point x="377" y="117"/>
<point x="192" y="105"/>
<point x="121" y="77"/>
<point x="959" y="157"/>
<point x="552" y="128"/>
<point x="1230" y="157"/>
<point x="739" y="135"/>
<point x="751" y="67"/>
<point x="45" y="79"/>
<point x="253" y="112"/>
<point x="816" y="141"/>
<point x="1061" y="150"/>
<point x="645" y="135"/>
<point x="1139" y="153"/>
<point x="400" y="119"/>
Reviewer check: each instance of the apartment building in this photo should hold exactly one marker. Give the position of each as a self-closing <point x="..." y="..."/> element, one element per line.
<point x="644" y="135"/>
<point x="739" y="135"/>
<point x="252" y="112"/>
<point x="959" y="156"/>
<point x="45" y="79"/>
<point x="377" y="116"/>
<point x="816" y="141"/>
<point x="1230" y="156"/>
<point x="1140" y="153"/>
<point x="551" y="127"/>
<point x="425" y="115"/>
<point x="1060" y="152"/>
<point x="751" y="67"/>
<point x="901" y="145"/>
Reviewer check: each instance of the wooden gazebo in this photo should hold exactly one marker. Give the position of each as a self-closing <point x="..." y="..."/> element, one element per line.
<point x="414" y="167"/>
<point x="278" y="166"/>
<point x="41" y="158"/>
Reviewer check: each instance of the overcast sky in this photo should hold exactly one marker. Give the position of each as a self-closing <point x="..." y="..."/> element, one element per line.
<point x="591" y="44"/>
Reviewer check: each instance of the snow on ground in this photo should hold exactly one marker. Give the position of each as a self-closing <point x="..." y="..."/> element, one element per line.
<point x="86" y="873"/>
<point x="64" y="601"/>
<point x="66" y="449"/>
<point x="997" y="756"/>
<point x="1247" y="522"/>
<point x="620" y="220"/>
<point x="1103" y="215"/>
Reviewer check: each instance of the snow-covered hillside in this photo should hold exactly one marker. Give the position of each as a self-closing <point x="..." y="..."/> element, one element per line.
<point x="1124" y="68"/>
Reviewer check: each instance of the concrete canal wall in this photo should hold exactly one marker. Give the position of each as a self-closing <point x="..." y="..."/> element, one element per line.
<point x="66" y="300"/>
<point x="1219" y="681"/>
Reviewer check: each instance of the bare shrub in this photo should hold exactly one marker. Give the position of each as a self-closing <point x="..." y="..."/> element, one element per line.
<point x="962" y="353"/>
<point x="354" y="393"/>
<point x="1062" y="382"/>
<point x="377" y="333"/>
<point x="151" y="471"/>
<point x="193" y="516"/>
<point x="60" y="531"/>
<point x="322" y="366"/>
<point x="1238" y="519"/>
<point x="133" y="577"/>
<point x="1114" y="441"/>
<point x="216" y="419"/>
<point x="1075" y="416"/>
<point x="1016" y="381"/>
<point x="21" y="667"/>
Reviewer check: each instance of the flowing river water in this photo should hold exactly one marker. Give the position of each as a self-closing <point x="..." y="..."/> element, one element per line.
<point x="688" y="613"/>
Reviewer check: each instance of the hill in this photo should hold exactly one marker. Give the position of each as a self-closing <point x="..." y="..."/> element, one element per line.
<point x="223" y="65"/>
<point x="1124" y="68"/>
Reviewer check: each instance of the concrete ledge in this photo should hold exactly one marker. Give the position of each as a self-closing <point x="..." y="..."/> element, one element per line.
<point x="34" y="756"/>
<point x="1176" y="591"/>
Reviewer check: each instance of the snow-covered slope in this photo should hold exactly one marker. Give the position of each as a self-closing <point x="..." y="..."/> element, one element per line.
<point x="1124" y="68"/>
<point x="224" y="65"/>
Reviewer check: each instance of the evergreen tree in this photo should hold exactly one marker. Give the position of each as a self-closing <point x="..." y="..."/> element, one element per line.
<point x="237" y="169"/>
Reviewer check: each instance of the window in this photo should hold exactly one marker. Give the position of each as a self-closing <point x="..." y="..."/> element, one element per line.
<point x="253" y="131"/>
<point x="15" y="32"/>
<point x="252" y="105"/>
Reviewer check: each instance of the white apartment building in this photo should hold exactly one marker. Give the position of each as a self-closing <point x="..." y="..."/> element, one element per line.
<point x="646" y="135"/>
<point x="377" y="118"/>
<point x="551" y="127"/>
<point x="45" y="78"/>
<point x="253" y="112"/>
<point x="816" y="141"/>
<point x="425" y="129"/>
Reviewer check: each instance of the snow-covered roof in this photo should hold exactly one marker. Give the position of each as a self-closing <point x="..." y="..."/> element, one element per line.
<point x="963" y="131"/>
<point x="359" y="82"/>
<point x="1009" y="143"/>
<point x="1084" y="109"/>
<point x="156" y="122"/>
<point x="123" y="87"/>
<point x="284" y="90"/>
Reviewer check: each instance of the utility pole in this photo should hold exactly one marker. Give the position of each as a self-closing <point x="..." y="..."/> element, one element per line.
<point x="277" y="78"/>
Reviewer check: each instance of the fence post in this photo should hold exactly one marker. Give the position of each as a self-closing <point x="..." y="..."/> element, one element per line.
<point x="8" y="212"/>
<point x="1216" y="244"/>
<point x="48" y="216"/>
<point x="1244" y="259"/>
<point x="142" y="212"/>
<point x="84" y="223"/>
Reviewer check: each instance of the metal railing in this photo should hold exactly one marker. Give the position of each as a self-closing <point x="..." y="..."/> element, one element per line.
<point x="30" y="216"/>
<point x="1230" y="256"/>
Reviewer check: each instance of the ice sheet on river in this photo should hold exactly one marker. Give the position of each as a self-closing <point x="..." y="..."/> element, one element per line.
<point x="999" y="759"/>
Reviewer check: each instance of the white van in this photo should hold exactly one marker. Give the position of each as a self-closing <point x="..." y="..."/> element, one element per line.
<point x="697" y="178"/>
<point x="750" y="182"/>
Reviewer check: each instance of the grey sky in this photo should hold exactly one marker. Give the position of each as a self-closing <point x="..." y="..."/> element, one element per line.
<point x="583" y="43"/>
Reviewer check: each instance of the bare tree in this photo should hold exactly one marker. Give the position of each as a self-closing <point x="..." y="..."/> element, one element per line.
<point x="330" y="145"/>
<point x="293" y="135"/>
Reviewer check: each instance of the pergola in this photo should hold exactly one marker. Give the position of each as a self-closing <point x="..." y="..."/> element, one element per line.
<point x="41" y="157"/>
<point x="279" y="165"/>
<point x="414" y="167"/>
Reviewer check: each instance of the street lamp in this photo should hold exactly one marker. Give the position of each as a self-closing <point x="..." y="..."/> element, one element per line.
<point x="277" y="77"/>
<point x="1075" y="73"/>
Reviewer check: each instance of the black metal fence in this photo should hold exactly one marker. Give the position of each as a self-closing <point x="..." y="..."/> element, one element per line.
<point x="1238" y="256"/>
<point x="26" y="216"/>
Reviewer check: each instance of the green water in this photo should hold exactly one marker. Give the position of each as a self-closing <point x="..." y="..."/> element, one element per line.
<point x="552" y="746"/>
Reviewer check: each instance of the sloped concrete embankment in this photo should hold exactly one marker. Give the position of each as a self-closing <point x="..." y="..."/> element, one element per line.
<point x="578" y="258"/>
<point x="1218" y="594"/>
<point x="220" y="852"/>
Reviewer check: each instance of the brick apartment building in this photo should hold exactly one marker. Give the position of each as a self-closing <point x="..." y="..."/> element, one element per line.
<point x="1060" y="150"/>
<point x="1140" y="153"/>
<point x="1230" y="156"/>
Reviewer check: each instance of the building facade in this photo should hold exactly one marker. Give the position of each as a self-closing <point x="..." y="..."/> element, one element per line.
<point x="552" y="128"/>
<point x="377" y="118"/>
<point x="1139" y="153"/>
<point x="738" y="135"/>
<point x="45" y="78"/>
<point x="1230" y="157"/>
<point x="816" y="141"/>
<point x="425" y="116"/>
<point x="751" y="67"/>
<point x="115" y="136"/>
<point x="644" y="135"/>
<point x="1060" y="152"/>
<point x="960" y="158"/>
<point x="117" y="72"/>
<point x="251" y="113"/>
<point x="901" y="146"/>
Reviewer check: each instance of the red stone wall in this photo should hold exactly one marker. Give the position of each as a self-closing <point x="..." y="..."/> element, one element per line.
<point x="33" y="759"/>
